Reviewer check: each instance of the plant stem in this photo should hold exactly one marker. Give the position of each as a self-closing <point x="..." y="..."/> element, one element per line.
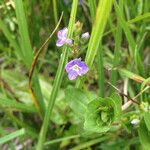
<point x="58" y="79"/>
<point x="92" y="7"/>
<point x="118" y="38"/>
<point x="55" y="11"/>
<point x="62" y="139"/>
<point x="100" y="69"/>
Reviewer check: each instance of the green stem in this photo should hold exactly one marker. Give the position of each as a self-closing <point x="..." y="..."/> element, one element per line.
<point x="58" y="79"/>
<point x="118" y="38"/>
<point x="100" y="68"/>
<point x="92" y="7"/>
<point x="90" y="143"/>
<point x="55" y="11"/>
<point x="62" y="139"/>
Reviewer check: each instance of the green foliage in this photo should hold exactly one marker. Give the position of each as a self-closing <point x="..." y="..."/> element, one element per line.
<point x="12" y="136"/>
<point x="83" y="114"/>
<point x="147" y="120"/>
<point x="144" y="135"/>
<point x="101" y="113"/>
<point x="98" y="114"/>
<point x="77" y="101"/>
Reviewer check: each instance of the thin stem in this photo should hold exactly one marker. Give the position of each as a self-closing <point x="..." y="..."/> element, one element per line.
<point x="55" y="11"/>
<point x="58" y="79"/>
<point x="61" y="139"/>
<point x="126" y="105"/>
<point x="118" y="38"/>
<point x="100" y="68"/>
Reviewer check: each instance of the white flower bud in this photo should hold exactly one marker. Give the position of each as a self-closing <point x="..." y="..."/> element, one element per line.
<point x="85" y="35"/>
<point x="135" y="121"/>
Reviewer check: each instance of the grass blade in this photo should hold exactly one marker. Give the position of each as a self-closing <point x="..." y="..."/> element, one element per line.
<point x="28" y="54"/>
<point x="9" y="37"/>
<point x="13" y="105"/>
<point x="133" y="47"/>
<point x="12" y="136"/>
<point x="92" y="7"/>
<point x="23" y="30"/>
<point x="103" y="10"/>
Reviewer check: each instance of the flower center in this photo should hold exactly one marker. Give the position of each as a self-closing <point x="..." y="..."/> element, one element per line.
<point x="76" y="68"/>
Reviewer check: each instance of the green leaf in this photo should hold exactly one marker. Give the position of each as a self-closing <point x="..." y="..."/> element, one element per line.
<point x="104" y="116"/>
<point x="12" y="104"/>
<point x="144" y="135"/>
<point x="118" y="103"/>
<point x="147" y="119"/>
<point x="77" y="101"/>
<point x="100" y="114"/>
<point x="27" y="53"/>
<point x="12" y="136"/>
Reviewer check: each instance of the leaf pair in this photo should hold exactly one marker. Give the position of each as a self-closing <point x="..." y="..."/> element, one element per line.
<point x="98" y="114"/>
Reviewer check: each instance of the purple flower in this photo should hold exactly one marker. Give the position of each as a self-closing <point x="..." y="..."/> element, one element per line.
<point x="85" y="35"/>
<point x="62" y="38"/>
<point x="76" y="68"/>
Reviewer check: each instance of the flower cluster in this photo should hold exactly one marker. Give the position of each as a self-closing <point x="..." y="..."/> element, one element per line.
<point x="75" y="67"/>
<point x="62" y="37"/>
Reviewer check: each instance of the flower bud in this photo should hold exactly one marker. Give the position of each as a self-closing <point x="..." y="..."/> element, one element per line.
<point x="78" y="28"/>
<point x="135" y="121"/>
<point x="85" y="35"/>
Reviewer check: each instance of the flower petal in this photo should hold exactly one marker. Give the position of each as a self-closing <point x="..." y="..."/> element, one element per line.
<point x="62" y="34"/>
<point x="68" y="41"/>
<point x="83" y="67"/>
<point x="60" y="42"/>
<point x="72" y="75"/>
<point x="69" y="65"/>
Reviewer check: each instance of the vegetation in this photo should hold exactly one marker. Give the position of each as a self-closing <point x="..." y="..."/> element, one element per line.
<point x="75" y="74"/>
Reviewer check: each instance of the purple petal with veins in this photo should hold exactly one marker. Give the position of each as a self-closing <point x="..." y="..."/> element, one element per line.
<point x="62" y="38"/>
<point x="62" y="34"/>
<point x="77" y="67"/>
<point x="72" y="75"/>
<point x="60" y="42"/>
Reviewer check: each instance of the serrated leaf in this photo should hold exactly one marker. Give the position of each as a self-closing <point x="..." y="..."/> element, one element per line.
<point x="144" y="135"/>
<point x="147" y="119"/>
<point x="77" y="101"/>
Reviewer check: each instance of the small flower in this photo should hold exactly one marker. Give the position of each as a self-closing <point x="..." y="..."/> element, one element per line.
<point x="135" y="121"/>
<point x="76" y="68"/>
<point x="85" y="35"/>
<point x="62" y="38"/>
